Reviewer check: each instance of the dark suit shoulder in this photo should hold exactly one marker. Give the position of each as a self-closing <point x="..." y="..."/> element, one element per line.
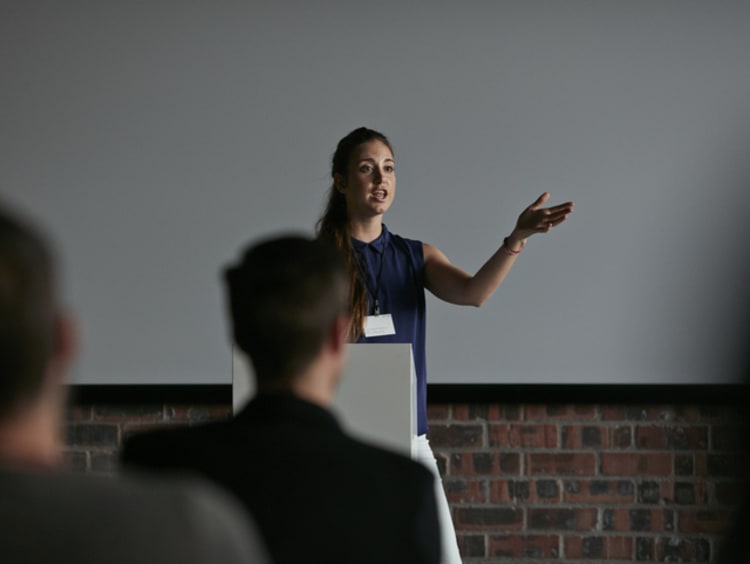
<point x="388" y="459"/>
<point x="168" y="447"/>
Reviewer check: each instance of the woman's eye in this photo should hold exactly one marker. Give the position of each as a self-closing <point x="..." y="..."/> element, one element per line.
<point x="389" y="169"/>
<point x="365" y="168"/>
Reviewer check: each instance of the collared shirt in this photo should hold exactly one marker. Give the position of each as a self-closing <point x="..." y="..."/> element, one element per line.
<point x="400" y="293"/>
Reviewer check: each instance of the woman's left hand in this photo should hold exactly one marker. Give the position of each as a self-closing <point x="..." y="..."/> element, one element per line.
<point x="536" y="219"/>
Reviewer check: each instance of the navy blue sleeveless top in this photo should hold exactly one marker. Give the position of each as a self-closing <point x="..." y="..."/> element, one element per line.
<point x="400" y="293"/>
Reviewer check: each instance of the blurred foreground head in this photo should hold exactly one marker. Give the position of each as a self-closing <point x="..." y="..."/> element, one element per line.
<point x="36" y="346"/>
<point x="287" y="297"/>
<point x="29" y="314"/>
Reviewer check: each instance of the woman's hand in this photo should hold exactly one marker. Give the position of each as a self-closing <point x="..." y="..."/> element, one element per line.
<point x="536" y="219"/>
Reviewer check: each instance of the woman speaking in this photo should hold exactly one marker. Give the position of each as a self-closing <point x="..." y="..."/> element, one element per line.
<point x="389" y="273"/>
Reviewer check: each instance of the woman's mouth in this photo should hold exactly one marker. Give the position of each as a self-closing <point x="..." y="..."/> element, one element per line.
<point x="380" y="195"/>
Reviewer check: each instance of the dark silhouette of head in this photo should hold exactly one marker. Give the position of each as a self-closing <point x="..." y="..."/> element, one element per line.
<point x="284" y="296"/>
<point x="28" y="310"/>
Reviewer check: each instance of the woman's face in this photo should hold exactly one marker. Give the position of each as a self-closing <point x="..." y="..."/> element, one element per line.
<point x="370" y="184"/>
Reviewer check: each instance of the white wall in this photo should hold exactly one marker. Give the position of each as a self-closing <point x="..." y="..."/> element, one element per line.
<point x="154" y="139"/>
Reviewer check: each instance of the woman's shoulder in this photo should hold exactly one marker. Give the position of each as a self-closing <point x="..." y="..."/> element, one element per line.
<point x="412" y="245"/>
<point x="400" y="239"/>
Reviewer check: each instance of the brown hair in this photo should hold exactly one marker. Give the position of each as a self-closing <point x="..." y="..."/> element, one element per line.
<point x="28" y="309"/>
<point x="283" y="297"/>
<point x="333" y="225"/>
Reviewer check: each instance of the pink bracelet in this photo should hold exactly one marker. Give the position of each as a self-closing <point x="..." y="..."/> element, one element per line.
<point x="508" y="250"/>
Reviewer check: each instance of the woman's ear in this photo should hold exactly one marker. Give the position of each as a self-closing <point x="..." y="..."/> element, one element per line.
<point x="339" y="181"/>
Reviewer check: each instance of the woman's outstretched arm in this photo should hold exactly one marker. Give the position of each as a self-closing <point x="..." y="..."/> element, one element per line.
<point x="456" y="286"/>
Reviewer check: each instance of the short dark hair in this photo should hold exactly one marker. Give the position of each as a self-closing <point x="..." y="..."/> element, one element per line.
<point x="28" y="308"/>
<point x="283" y="298"/>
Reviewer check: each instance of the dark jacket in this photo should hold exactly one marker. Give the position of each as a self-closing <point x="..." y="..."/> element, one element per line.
<point x="318" y="495"/>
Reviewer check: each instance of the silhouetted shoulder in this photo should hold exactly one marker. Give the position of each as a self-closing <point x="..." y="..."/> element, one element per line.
<point x="121" y="520"/>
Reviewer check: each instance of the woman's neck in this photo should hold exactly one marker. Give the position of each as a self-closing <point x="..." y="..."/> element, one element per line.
<point x="366" y="230"/>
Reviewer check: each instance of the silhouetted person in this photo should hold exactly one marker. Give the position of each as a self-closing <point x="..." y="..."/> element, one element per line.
<point x="47" y="515"/>
<point x="317" y="494"/>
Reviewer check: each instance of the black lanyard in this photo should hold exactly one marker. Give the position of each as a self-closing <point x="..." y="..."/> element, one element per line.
<point x="362" y="264"/>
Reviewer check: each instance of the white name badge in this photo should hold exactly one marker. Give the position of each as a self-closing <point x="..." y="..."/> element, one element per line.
<point x="379" y="325"/>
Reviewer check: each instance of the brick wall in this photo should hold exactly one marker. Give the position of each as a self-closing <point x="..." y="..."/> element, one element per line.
<point x="537" y="483"/>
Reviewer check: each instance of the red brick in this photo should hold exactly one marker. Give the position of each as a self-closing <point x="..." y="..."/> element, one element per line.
<point x="510" y="491"/>
<point x="654" y="491"/>
<point x="584" y="411"/>
<point x="676" y="549"/>
<point x="561" y="464"/>
<point x="703" y="521"/>
<point x="688" y="438"/>
<point x="620" y="548"/>
<point x="671" y="437"/>
<point x="612" y="413"/>
<point x="504" y="413"/>
<point x="484" y="463"/>
<point x="598" y="491"/>
<point x="638" y="413"/>
<point x="621" y="436"/>
<point x="633" y="520"/>
<point x="488" y="518"/>
<point x="587" y="436"/>
<point x="456" y="436"/>
<point x="509" y="463"/>
<point x="585" y="547"/>
<point x="438" y="412"/>
<point x="651" y="438"/>
<point x="535" y="412"/>
<point x="689" y="492"/>
<point x="559" y="412"/>
<point x="498" y="435"/>
<point x="599" y="548"/>
<point x="525" y="436"/>
<point x="465" y="491"/>
<point x="574" y="547"/>
<point x="568" y="519"/>
<point x="524" y="491"/>
<point x="643" y="465"/>
<point x="616" y="520"/>
<point x="533" y="436"/>
<point x="470" y="412"/>
<point x="472" y="546"/>
<point x="684" y="464"/>
<point x="460" y="411"/>
<point x="524" y="546"/>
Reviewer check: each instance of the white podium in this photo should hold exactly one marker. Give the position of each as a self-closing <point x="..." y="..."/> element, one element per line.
<point x="376" y="400"/>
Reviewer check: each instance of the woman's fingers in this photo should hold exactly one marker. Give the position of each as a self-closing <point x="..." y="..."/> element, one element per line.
<point x="536" y="219"/>
<point x="567" y="206"/>
<point x="552" y="217"/>
<point x="539" y="202"/>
